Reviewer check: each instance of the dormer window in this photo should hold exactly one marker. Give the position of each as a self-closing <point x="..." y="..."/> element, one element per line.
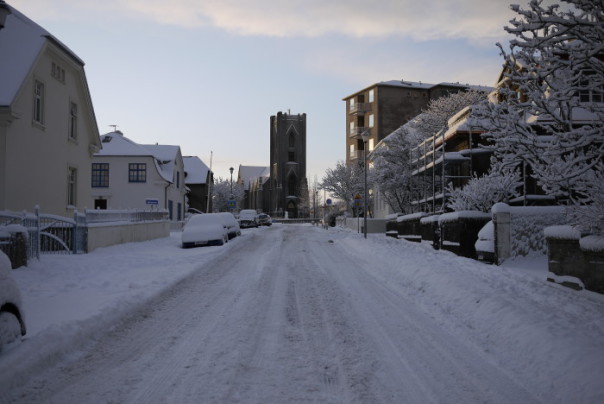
<point x="106" y="139"/>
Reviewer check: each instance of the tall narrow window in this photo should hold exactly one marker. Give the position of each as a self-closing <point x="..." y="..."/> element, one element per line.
<point x="137" y="172"/>
<point x="371" y="121"/>
<point x="100" y="175"/>
<point x="371" y="96"/>
<point x="72" y="182"/>
<point x="73" y="120"/>
<point x="39" y="102"/>
<point x="177" y="179"/>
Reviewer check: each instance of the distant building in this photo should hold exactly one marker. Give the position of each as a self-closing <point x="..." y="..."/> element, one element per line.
<point x="287" y="184"/>
<point x="48" y="130"/>
<point x="251" y="178"/>
<point x="383" y="107"/>
<point x="128" y="175"/>
<point x="198" y="177"/>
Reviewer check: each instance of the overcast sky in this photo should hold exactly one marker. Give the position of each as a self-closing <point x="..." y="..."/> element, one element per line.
<point x="208" y="74"/>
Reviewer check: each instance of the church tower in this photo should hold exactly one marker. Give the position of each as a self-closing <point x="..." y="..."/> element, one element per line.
<point x="287" y="182"/>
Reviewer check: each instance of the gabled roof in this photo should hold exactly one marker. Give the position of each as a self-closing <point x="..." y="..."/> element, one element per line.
<point x="21" y="41"/>
<point x="164" y="156"/>
<point x="196" y="170"/>
<point x="250" y="173"/>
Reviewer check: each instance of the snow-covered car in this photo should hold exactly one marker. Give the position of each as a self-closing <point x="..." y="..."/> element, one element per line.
<point x="247" y="218"/>
<point x="12" y="324"/>
<point x="264" y="220"/>
<point x="485" y="245"/>
<point x="232" y="224"/>
<point x="206" y="229"/>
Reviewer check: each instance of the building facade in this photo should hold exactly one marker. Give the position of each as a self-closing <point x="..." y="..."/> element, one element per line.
<point x="128" y="175"/>
<point x="287" y="184"/>
<point x="48" y="130"/>
<point x="383" y="107"/>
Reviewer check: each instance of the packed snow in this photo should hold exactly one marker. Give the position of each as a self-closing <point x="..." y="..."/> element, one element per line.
<point x="300" y="313"/>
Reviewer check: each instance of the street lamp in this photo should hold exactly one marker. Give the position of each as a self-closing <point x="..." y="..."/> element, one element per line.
<point x="231" y="170"/>
<point x="365" y="137"/>
<point x="4" y="12"/>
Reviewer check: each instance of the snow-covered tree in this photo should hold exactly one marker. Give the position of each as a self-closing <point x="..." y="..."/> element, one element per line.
<point x="392" y="159"/>
<point x="221" y="194"/>
<point x="549" y="111"/>
<point x="392" y="168"/>
<point x="344" y="182"/>
<point x="480" y="193"/>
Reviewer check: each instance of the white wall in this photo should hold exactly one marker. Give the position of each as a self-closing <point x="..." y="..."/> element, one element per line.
<point x="104" y="235"/>
<point x="37" y="157"/>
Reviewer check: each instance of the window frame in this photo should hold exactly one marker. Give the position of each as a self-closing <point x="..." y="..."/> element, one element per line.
<point x="137" y="172"/>
<point x="99" y="175"/>
<point x="72" y="186"/>
<point x="38" y="102"/>
<point x="73" y="120"/>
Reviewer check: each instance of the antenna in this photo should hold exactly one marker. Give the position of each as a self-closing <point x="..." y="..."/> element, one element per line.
<point x="114" y="127"/>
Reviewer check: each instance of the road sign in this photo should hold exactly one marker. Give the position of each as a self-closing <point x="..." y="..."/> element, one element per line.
<point x="231" y="203"/>
<point x="328" y="201"/>
<point x="151" y="201"/>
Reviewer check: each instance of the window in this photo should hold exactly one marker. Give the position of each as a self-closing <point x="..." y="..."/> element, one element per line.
<point x="171" y="210"/>
<point x="371" y="119"/>
<point x="370" y="144"/>
<point x="72" y="181"/>
<point x="589" y="90"/>
<point x="137" y="172"/>
<point x="57" y="72"/>
<point x="352" y="104"/>
<point x="371" y="96"/>
<point x="291" y="156"/>
<point x="292" y="140"/>
<point x="178" y="214"/>
<point x="100" y="175"/>
<point x="177" y="179"/>
<point x="351" y="149"/>
<point x="39" y="102"/>
<point x="73" y="120"/>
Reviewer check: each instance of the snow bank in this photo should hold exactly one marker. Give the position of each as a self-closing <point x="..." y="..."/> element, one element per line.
<point x="562" y="232"/>
<point x="464" y="214"/>
<point x="592" y="243"/>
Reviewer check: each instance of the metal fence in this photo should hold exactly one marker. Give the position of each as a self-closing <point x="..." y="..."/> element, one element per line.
<point x="51" y="234"/>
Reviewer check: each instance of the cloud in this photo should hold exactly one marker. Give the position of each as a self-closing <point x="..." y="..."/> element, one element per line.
<point x="419" y="20"/>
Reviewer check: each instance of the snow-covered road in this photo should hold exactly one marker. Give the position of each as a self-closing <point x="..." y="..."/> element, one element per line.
<point x="299" y="314"/>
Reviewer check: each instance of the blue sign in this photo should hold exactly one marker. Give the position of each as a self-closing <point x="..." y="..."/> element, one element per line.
<point x="152" y="202"/>
<point x="328" y="201"/>
<point x="231" y="203"/>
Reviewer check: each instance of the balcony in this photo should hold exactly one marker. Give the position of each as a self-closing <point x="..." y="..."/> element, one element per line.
<point x="359" y="108"/>
<point x="356" y="132"/>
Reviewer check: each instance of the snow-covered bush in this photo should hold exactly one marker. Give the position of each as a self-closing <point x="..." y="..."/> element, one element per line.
<point x="481" y="193"/>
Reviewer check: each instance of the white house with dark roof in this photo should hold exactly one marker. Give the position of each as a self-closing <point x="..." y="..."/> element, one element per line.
<point x="48" y="130"/>
<point x="128" y="175"/>
<point x="197" y="178"/>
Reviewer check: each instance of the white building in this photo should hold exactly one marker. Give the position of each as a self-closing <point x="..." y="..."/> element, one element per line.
<point x="128" y="175"/>
<point x="48" y="131"/>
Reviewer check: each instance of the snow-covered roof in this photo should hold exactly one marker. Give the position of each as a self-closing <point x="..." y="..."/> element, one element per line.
<point x="195" y="169"/>
<point x="420" y="85"/>
<point x="249" y="173"/>
<point x="116" y="144"/>
<point x="21" y="41"/>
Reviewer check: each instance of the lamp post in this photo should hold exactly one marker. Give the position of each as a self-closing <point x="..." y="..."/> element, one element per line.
<point x="231" y="170"/>
<point x="365" y="137"/>
<point x="4" y="12"/>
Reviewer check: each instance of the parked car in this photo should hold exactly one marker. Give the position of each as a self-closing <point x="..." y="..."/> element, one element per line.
<point x="247" y="218"/>
<point x="12" y="324"/>
<point x="233" y="228"/>
<point x="206" y="229"/>
<point x="264" y="220"/>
